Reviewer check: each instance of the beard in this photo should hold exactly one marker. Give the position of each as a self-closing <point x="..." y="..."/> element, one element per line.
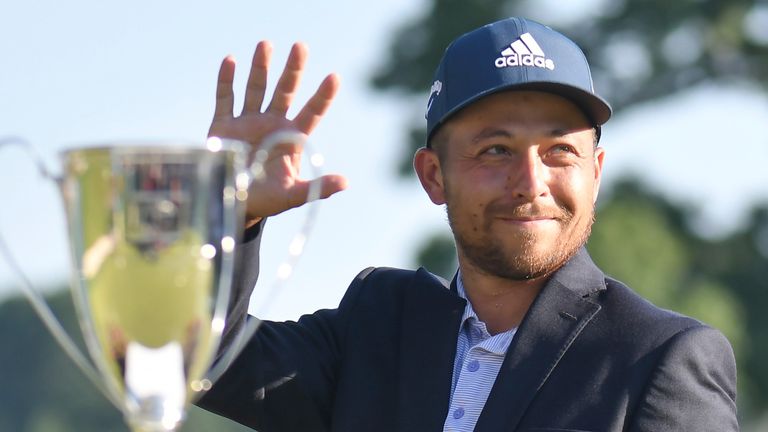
<point x="525" y="260"/>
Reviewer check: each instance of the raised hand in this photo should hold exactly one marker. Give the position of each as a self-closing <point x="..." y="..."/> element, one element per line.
<point x="282" y="188"/>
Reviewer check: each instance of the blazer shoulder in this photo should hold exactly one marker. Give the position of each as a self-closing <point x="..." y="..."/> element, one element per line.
<point x="689" y="378"/>
<point x="620" y="298"/>
<point x="386" y="289"/>
<point x="389" y="280"/>
<point x="692" y="385"/>
<point x="633" y="320"/>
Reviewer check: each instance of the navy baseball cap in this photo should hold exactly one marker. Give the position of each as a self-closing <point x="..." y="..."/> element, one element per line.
<point x="512" y="54"/>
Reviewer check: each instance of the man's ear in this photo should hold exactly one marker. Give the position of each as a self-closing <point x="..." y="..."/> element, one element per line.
<point x="599" y="156"/>
<point x="428" y="168"/>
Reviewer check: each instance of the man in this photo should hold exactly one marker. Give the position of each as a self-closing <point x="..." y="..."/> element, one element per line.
<point x="530" y="335"/>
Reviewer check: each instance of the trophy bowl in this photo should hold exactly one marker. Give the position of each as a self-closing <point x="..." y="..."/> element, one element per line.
<point x="152" y="233"/>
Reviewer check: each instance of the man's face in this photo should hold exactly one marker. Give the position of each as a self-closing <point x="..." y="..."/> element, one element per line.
<point x="519" y="175"/>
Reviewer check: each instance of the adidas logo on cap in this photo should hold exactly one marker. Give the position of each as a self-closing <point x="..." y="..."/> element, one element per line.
<point x="524" y="51"/>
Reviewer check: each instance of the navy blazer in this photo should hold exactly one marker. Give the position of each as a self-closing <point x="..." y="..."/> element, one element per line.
<point x="590" y="355"/>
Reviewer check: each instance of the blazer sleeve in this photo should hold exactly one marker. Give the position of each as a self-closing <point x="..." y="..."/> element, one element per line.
<point x="285" y="377"/>
<point x="244" y="277"/>
<point x="693" y="386"/>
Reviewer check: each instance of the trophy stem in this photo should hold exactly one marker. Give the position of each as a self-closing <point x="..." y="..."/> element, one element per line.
<point x="157" y="428"/>
<point x="167" y="425"/>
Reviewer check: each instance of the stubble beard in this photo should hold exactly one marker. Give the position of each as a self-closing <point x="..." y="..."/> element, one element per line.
<point x="488" y="253"/>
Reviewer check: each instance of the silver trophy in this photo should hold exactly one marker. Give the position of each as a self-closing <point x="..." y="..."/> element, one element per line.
<point x="152" y="233"/>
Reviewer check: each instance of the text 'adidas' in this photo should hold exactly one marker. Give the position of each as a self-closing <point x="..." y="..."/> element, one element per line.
<point x="524" y="51"/>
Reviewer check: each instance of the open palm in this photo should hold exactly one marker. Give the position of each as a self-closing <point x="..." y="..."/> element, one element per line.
<point x="282" y="188"/>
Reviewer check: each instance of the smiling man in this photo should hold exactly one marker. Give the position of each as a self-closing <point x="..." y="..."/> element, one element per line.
<point x="519" y="174"/>
<point x="530" y="335"/>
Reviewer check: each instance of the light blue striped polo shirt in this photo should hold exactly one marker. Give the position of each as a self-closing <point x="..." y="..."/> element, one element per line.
<point x="478" y="360"/>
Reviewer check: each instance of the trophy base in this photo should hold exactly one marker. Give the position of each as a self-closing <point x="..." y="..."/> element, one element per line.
<point x="155" y="387"/>
<point x="154" y="415"/>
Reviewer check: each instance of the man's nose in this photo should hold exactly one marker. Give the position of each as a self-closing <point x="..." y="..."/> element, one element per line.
<point x="528" y="176"/>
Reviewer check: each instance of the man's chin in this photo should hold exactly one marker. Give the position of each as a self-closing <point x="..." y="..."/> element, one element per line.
<point x="515" y="265"/>
<point x="534" y="263"/>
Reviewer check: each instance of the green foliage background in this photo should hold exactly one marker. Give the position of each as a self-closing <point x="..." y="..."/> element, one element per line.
<point x="43" y="391"/>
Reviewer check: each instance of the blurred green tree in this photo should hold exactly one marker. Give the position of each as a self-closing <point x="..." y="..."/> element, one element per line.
<point x="43" y="391"/>
<point x="740" y="262"/>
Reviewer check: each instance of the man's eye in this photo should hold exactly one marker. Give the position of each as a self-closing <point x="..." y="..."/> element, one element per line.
<point x="496" y="150"/>
<point x="563" y="148"/>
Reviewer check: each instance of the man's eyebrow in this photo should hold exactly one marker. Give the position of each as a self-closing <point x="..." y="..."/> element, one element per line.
<point x="558" y="132"/>
<point x="489" y="133"/>
<point x="492" y="133"/>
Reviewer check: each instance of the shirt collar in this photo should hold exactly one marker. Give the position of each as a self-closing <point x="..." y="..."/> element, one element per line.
<point x="476" y="331"/>
<point x="469" y="312"/>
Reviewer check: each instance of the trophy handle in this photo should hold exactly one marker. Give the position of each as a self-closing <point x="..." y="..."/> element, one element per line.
<point x="39" y="305"/>
<point x="295" y="248"/>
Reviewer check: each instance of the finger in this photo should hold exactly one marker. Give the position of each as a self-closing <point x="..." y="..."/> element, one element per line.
<point x="289" y="80"/>
<point x="329" y="185"/>
<point x="318" y="104"/>
<point x="225" y="97"/>
<point x="257" y="79"/>
<point x="332" y="183"/>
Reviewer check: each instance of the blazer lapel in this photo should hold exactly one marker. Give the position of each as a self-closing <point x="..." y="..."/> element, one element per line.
<point x="431" y="317"/>
<point x="552" y="324"/>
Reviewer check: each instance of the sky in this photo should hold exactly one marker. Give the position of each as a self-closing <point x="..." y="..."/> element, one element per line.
<point x="80" y="73"/>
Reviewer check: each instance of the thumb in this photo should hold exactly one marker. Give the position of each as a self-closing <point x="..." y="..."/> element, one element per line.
<point x="327" y="184"/>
